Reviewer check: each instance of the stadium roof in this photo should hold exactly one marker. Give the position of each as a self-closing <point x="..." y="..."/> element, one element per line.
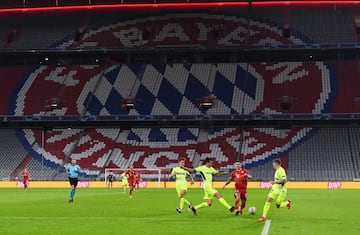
<point x="61" y="5"/>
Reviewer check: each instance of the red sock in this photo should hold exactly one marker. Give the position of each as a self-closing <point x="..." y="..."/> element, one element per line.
<point x="243" y="203"/>
<point x="131" y="190"/>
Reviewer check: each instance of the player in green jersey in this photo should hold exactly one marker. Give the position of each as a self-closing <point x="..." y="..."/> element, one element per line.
<point x="181" y="183"/>
<point x="278" y="190"/>
<point x="124" y="181"/>
<point x="207" y="171"/>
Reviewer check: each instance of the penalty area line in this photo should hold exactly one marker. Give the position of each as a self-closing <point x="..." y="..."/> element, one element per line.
<point x="266" y="228"/>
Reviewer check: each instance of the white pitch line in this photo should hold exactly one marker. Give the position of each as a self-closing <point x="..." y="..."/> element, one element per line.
<point x="266" y="228"/>
<point x="107" y="218"/>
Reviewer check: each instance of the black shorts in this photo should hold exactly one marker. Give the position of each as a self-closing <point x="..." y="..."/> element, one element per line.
<point x="73" y="181"/>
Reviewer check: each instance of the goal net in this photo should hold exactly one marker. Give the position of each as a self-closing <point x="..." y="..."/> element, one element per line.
<point x="148" y="177"/>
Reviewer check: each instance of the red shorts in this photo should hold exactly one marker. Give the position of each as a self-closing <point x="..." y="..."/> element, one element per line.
<point x="25" y="181"/>
<point x="240" y="190"/>
<point x="137" y="182"/>
<point x="131" y="183"/>
<point x="243" y="196"/>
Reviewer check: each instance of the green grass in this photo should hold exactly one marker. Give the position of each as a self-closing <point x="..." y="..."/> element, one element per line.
<point x="152" y="211"/>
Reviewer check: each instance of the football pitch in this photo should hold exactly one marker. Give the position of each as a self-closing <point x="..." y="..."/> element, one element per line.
<point x="152" y="211"/>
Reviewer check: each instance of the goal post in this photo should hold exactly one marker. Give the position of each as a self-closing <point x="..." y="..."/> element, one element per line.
<point x="147" y="176"/>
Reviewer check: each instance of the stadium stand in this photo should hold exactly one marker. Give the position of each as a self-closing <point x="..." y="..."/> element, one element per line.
<point x="315" y="157"/>
<point x="12" y="153"/>
<point x="238" y="88"/>
<point x="94" y="147"/>
<point x="168" y="89"/>
<point x="326" y="156"/>
<point x="95" y="90"/>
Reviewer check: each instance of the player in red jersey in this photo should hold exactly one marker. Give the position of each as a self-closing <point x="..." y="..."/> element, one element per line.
<point x="25" y="176"/>
<point x="240" y="176"/>
<point x="137" y="180"/>
<point x="130" y="174"/>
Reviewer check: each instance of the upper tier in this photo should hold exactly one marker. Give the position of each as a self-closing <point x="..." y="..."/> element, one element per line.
<point x="249" y="88"/>
<point x="223" y="28"/>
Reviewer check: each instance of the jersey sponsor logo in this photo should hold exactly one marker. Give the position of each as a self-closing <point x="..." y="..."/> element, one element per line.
<point x="334" y="185"/>
<point x="259" y="146"/>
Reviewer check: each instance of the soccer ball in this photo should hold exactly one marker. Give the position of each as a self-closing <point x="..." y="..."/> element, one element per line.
<point x="252" y="210"/>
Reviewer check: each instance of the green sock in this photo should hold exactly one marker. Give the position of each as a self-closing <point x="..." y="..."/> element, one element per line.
<point x="266" y="208"/>
<point x="224" y="203"/>
<point x="201" y="205"/>
<point x="182" y="203"/>
<point x="283" y="204"/>
<point x="186" y="201"/>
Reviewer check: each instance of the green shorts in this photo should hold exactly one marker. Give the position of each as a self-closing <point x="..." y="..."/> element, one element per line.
<point x="278" y="195"/>
<point x="180" y="188"/>
<point x="124" y="183"/>
<point x="209" y="193"/>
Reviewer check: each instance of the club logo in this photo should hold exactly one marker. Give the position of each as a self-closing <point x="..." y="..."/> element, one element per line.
<point x="249" y="88"/>
<point x="183" y="30"/>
